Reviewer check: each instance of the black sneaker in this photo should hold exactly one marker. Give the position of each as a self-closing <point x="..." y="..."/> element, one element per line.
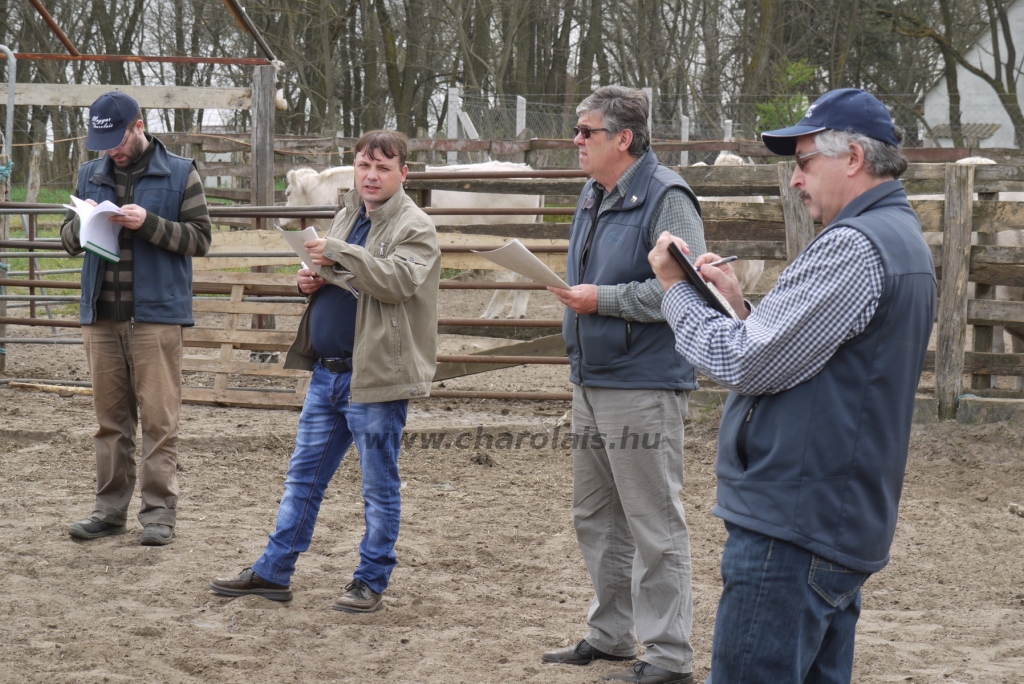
<point x="359" y="598"/>
<point x="94" y="528"/>
<point x="156" y="534"/>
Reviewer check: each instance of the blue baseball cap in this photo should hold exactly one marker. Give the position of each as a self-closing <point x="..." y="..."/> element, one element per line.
<point x="109" y="117"/>
<point x="846" y="109"/>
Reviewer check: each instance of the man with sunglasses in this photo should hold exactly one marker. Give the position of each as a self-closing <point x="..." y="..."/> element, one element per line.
<point x="814" y="437"/>
<point x="132" y="312"/>
<point x="629" y="397"/>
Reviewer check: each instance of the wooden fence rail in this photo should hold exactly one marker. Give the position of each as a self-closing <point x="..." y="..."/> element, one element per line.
<point x="778" y="230"/>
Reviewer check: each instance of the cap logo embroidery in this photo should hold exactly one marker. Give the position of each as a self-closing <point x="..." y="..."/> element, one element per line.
<point x="810" y="110"/>
<point x="98" y="123"/>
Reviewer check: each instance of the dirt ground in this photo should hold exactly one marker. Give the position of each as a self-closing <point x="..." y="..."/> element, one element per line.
<point x="489" y="573"/>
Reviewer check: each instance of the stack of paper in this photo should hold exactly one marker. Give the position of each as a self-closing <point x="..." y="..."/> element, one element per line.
<point x="99" y="235"/>
<point x="297" y="239"/>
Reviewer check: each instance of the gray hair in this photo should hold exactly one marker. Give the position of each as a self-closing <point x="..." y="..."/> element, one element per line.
<point x="881" y="160"/>
<point x="622" y="109"/>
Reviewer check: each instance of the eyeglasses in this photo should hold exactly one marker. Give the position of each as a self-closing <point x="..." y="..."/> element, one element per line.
<point x="587" y="131"/>
<point x="801" y="159"/>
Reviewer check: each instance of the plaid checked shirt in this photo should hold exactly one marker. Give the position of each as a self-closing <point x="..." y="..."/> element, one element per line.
<point x="825" y="297"/>
<point x="641" y="301"/>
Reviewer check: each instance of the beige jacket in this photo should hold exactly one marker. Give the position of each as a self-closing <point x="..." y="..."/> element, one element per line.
<point x="397" y="276"/>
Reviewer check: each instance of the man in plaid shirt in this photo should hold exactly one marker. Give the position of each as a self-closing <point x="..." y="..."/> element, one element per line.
<point x="629" y="397"/>
<point x="814" y="437"/>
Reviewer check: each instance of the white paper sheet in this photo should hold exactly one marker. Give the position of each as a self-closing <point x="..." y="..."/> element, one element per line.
<point x="99" y="235"/>
<point x="516" y="257"/>
<point x="297" y="238"/>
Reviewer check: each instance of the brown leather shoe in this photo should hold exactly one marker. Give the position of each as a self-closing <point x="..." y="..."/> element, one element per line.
<point x="359" y="598"/>
<point x="248" y="583"/>
<point x="580" y="654"/>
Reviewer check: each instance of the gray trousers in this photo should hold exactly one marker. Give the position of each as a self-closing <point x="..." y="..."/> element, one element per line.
<point x="627" y="477"/>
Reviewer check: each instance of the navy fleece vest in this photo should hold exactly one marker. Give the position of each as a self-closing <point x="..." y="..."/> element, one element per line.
<point x="162" y="280"/>
<point x="821" y="465"/>
<point x="606" y="351"/>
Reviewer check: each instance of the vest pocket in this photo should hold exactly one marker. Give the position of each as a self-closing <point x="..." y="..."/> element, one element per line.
<point x="741" y="440"/>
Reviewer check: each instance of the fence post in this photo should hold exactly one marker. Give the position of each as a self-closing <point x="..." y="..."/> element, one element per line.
<point x="799" y="224"/>
<point x="650" y="110"/>
<point x="956" y="262"/>
<point x="5" y="234"/>
<point x="264" y="89"/>
<point x="984" y="334"/>
<point x="727" y="131"/>
<point x="520" y="114"/>
<point x="454" y="105"/>
<point x="684" y="135"/>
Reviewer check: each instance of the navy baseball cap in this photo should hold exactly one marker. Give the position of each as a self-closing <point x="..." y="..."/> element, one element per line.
<point x="846" y="109"/>
<point x="109" y="117"/>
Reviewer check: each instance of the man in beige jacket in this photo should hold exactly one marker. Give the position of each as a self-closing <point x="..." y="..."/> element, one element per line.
<point x="370" y="352"/>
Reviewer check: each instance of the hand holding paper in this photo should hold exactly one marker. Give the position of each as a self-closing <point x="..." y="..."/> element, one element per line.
<point x="99" y="235"/>
<point x="516" y="257"/>
<point x="297" y="240"/>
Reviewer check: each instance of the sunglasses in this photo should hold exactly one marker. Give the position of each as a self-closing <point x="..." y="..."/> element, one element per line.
<point x="801" y="159"/>
<point x="587" y="131"/>
<point x="127" y="133"/>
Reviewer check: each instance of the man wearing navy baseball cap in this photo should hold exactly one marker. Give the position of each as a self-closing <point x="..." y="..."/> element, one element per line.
<point x="132" y="310"/>
<point x="814" y="436"/>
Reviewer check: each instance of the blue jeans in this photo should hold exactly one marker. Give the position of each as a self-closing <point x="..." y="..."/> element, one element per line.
<point x="329" y="424"/>
<point x="786" y="616"/>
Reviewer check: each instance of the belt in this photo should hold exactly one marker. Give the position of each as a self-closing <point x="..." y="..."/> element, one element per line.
<point x="337" y="365"/>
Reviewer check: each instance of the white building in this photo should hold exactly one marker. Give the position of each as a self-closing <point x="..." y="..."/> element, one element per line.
<point x="984" y="119"/>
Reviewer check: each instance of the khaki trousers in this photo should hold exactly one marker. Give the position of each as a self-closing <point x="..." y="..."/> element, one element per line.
<point x="627" y="478"/>
<point x="136" y="371"/>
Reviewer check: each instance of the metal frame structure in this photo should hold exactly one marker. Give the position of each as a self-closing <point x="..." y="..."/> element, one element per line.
<point x="236" y="10"/>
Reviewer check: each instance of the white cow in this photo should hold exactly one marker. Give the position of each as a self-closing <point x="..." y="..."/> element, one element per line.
<point x="307" y="187"/>
<point x="748" y="271"/>
<point x="1005" y="238"/>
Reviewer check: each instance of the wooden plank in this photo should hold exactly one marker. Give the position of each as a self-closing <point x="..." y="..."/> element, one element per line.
<point x="511" y="333"/>
<point x="555" y="261"/>
<point x="148" y="97"/>
<point x="259" y="340"/>
<point x="956" y="253"/>
<point x="749" y="249"/>
<point x="218" y="305"/>
<point x="242" y="398"/>
<point x="245" y="170"/>
<point x="211" y="364"/>
<point x="551" y="345"/>
<point x="983" y="334"/>
<point x="799" y="224"/>
<point x="989" y="217"/>
<point x="238" y="194"/>
<point x="220" y="382"/>
<point x="757" y="231"/>
<point x="985" y="363"/>
<point x="246" y="241"/>
<point x="992" y="312"/>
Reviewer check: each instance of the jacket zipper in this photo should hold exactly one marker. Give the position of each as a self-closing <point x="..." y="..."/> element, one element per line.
<point x="741" y="441"/>
<point x="629" y="335"/>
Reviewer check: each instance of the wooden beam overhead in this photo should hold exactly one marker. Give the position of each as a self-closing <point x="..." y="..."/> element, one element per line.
<point x="148" y="97"/>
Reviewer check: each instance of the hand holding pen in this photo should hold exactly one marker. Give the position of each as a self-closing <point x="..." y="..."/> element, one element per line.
<point x="725" y="260"/>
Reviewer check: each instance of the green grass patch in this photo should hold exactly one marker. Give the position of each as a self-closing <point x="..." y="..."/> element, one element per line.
<point x="447" y="273"/>
<point x="46" y="195"/>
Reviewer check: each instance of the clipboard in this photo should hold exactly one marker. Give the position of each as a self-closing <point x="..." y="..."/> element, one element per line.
<point x="713" y="298"/>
